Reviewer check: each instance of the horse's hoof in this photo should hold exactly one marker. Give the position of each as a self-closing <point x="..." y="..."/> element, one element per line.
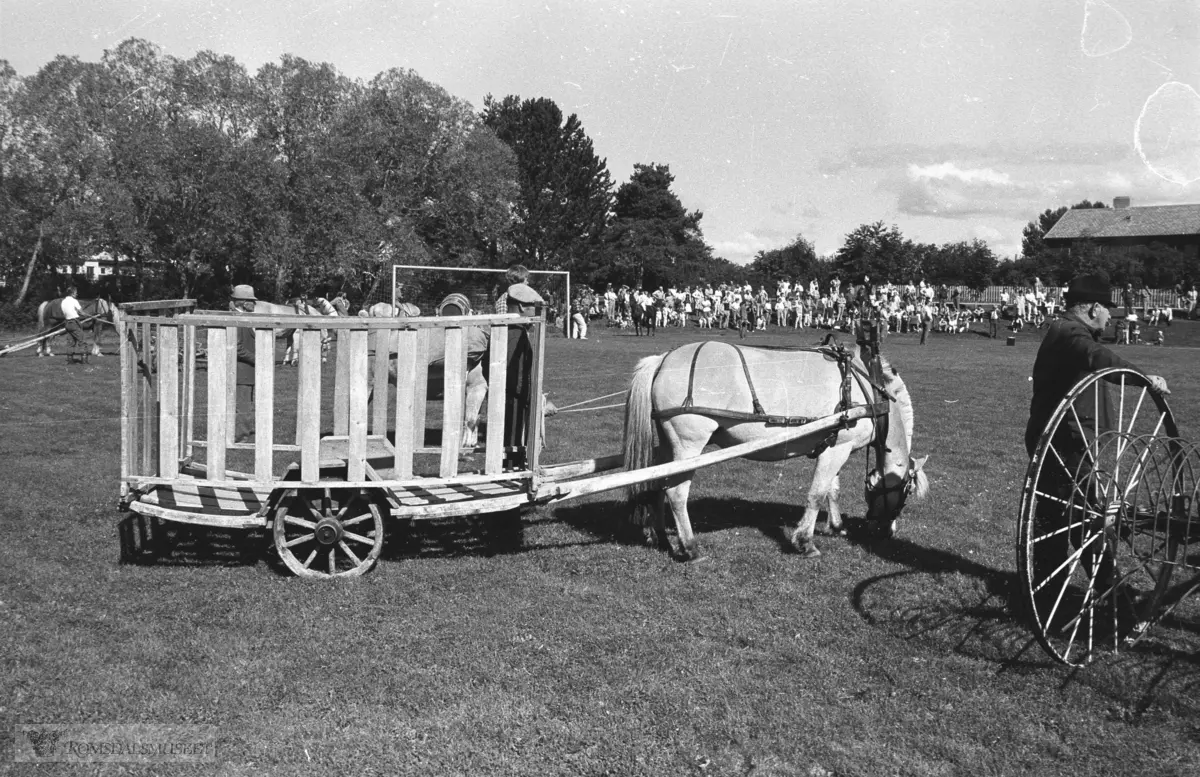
<point x="805" y="546"/>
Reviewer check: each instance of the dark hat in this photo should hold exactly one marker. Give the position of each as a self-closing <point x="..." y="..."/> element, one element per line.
<point x="1092" y="287"/>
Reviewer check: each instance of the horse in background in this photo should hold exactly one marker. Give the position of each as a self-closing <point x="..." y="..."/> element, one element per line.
<point x="724" y="394"/>
<point x="300" y="306"/>
<point x="643" y="315"/>
<point x="387" y="310"/>
<point x="92" y="313"/>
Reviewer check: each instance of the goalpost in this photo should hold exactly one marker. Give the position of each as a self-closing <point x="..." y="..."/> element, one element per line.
<point x="426" y="286"/>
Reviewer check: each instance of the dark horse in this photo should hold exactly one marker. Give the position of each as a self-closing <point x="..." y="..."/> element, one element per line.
<point x="643" y="316"/>
<point x="92" y="312"/>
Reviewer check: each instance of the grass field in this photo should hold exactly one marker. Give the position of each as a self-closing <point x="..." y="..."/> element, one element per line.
<point x="481" y="647"/>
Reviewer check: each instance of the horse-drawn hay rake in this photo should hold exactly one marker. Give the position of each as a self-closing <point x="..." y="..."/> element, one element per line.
<point x="1110" y="516"/>
<point x="350" y="447"/>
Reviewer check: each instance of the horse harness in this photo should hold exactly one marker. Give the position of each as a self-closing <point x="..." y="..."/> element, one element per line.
<point x="870" y="383"/>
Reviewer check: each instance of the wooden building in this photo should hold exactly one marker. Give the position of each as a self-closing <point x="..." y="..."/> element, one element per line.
<point x="1125" y="226"/>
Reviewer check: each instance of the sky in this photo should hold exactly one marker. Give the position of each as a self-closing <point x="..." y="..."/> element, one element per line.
<point x="953" y="121"/>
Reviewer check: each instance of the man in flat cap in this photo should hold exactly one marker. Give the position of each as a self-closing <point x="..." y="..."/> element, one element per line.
<point x="1070" y="352"/>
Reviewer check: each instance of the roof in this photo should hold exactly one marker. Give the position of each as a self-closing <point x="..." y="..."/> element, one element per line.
<point x="1113" y="223"/>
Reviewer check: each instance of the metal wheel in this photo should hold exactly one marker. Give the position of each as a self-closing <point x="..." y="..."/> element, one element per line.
<point x="326" y="533"/>
<point x="1095" y="546"/>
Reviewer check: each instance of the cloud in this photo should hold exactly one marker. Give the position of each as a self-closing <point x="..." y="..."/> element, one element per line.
<point x="948" y="170"/>
<point x="891" y="156"/>
<point x="744" y="247"/>
<point x="948" y="190"/>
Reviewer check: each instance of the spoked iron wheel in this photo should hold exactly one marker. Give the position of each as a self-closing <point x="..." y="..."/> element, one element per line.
<point x="1096" y="546"/>
<point x="326" y="533"/>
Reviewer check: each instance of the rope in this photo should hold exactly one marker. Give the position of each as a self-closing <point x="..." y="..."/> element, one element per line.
<point x="593" y="399"/>
<point x="601" y="407"/>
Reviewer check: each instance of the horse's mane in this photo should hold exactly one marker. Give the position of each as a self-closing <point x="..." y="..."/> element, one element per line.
<point x="903" y="399"/>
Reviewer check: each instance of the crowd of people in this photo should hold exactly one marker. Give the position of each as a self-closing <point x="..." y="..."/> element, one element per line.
<point x="902" y="308"/>
<point x="919" y="307"/>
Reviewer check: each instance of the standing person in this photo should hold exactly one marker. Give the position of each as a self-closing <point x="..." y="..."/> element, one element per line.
<point x="1127" y="299"/>
<point x="522" y="299"/>
<point x="341" y="304"/>
<point x="994" y="323"/>
<point x="242" y="300"/>
<point x="610" y="304"/>
<point x="925" y="315"/>
<point x="1191" y="301"/>
<point x="71" y="311"/>
<point x="1069" y="352"/>
<point x="578" y="317"/>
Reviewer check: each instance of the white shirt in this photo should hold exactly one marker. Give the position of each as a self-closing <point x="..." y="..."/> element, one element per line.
<point x="71" y="308"/>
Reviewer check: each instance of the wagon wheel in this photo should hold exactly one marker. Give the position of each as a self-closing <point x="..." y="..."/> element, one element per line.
<point x="326" y="533"/>
<point x="1095" y="547"/>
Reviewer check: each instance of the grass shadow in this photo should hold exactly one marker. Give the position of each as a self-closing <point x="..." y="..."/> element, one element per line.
<point x="610" y="520"/>
<point x="488" y="535"/>
<point x="146" y="541"/>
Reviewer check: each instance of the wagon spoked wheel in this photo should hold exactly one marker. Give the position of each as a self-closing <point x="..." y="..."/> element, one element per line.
<point x="326" y="533"/>
<point x="1095" y="548"/>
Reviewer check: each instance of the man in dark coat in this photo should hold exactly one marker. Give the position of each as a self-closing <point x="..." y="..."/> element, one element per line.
<point x="242" y="301"/>
<point x="1070" y="352"/>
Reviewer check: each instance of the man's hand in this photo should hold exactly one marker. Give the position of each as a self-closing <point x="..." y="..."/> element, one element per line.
<point x="1159" y="384"/>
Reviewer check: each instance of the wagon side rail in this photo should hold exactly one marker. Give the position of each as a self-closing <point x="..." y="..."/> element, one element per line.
<point x="178" y="420"/>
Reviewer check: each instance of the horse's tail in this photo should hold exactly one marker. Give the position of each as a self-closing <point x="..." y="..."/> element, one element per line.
<point x="42" y="315"/>
<point x="639" y="425"/>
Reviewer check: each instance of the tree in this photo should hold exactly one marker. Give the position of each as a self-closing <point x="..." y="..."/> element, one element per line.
<point x="565" y="189"/>
<point x="1044" y="262"/>
<point x="54" y="157"/>
<point x="878" y="252"/>
<point x="653" y="239"/>
<point x="796" y="260"/>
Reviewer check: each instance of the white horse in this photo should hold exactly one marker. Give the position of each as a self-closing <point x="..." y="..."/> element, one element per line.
<point x="386" y="310"/>
<point x="320" y="307"/>
<point x="721" y="393"/>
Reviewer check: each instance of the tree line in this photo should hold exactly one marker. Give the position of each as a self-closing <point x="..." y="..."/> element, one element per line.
<point x="196" y="175"/>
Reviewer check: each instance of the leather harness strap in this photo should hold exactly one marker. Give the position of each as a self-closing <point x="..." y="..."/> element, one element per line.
<point x="872" y="389"/>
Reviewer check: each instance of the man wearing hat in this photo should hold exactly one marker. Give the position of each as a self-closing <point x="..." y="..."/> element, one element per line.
<point x="522" y="299"/>
<point x="242" y="300"/>
<point x="1069" y="352"/>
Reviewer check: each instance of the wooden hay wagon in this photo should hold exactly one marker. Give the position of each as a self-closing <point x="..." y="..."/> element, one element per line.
<point x="341" y="446"/>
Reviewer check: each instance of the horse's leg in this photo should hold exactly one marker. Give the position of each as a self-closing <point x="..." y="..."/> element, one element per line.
<point x="822" y="489"/>
<point x="477" y="389"/>
<point x="685" y="444"/>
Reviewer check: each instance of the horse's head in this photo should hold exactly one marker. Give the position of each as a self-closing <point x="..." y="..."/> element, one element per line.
<point x="888" y="487"/>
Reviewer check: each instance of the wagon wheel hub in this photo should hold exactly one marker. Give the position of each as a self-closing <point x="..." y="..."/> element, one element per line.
<point x="329" y="531"/>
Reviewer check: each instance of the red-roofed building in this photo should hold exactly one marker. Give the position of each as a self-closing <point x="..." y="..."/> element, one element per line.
<point x="1123" y="227"/>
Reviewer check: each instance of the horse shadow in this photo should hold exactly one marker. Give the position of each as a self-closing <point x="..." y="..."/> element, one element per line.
<point x="608" y="520"/>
